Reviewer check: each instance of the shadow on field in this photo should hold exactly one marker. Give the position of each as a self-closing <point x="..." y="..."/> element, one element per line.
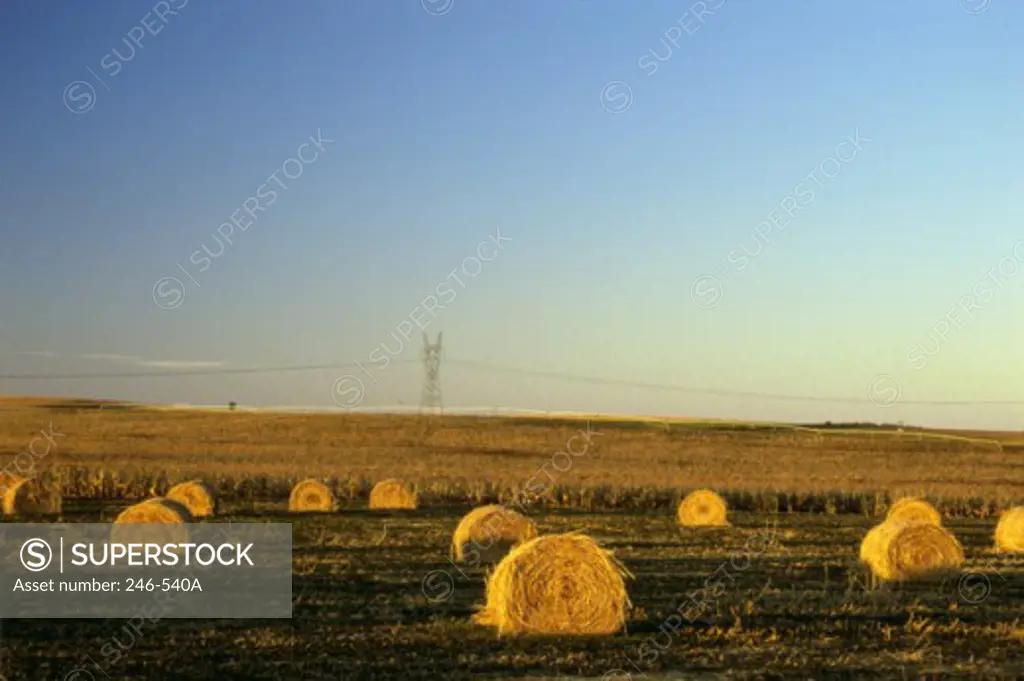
<point x="498" y="452"/>
<point x="283" y="515"/>
<point x="90" y="406"/>
<point x="423" y="512"/>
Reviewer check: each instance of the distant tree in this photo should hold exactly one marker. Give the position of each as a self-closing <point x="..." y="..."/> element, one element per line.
<point x="232" y="405"/>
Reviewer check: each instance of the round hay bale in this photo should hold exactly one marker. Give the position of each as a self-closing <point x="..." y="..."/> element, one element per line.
<point x="702" y="508"/>
<point x="873" y="546"/>
<point x="199" y="497"/>
<point x="921" y="550"/>
<point x="898" y="550"/>
<point x="311" y="495"/>
<point x="32" y="498"/>
<point x="557" y="584"/>
<point x="1010" y="531"/>
<point x="7" y="481"/>
<point x="156" y="510"/>
<point x="486" y="534"/>
<point x="157" y="520"/>
<point x="913" y="510"/>
<point x="392" y="494"/>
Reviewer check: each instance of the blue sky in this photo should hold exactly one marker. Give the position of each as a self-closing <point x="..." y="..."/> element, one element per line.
<point x="446" y="127"/>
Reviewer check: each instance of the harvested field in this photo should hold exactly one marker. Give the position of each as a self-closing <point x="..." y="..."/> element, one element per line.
<point x="400" y="609"/>
<point x="780" y="592"/>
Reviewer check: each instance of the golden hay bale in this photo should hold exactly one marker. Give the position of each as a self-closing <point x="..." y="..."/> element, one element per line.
<point x="921" y="550"/>
<point x="914" y="510"/>
<point x="702" y="508"/>
<point x="156" y="510"/>
<point x="197" y="496"/>
<point x="557" y="584"/>
<point x="7" y="481"/>
<point x="311" y="495"/>
<point x="873" y="545"/>
<point x="32" y="497"/>
<point x="156" y="520"/>
<point x="898" y="550"/>
<point x="1010" y="531"/>
<point x="486" y="534"/>
<point x="392" y="494"/>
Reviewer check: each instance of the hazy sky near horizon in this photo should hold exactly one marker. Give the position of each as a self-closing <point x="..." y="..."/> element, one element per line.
<point x="776" y="197"/>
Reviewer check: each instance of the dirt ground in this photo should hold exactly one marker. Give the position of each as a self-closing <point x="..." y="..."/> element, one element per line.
<point x="375" y="596"/>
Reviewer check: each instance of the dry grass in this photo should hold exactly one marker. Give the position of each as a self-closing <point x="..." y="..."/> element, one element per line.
<point x="363" y="606"/>
<point x="557" y="585"/>
<point x="487" y="460"/>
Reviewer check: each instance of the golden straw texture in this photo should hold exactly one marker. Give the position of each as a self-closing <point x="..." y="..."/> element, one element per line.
<point x="32" y="498"/>
<point x="702" y="508"/>
<point x="158" y="520"/>
<point x="556" y="585"/>
<point x="872" y="547"/>
<point x="197" y="496"/>
<point x="898" y="551"/>
<point x="392" y="494"/>
<point x="914" y="510"/>
<point x="7" y="481"/>
<point x="1010" y="531"/>
<point x="486" y="534"/>
<point x="311" y="495"/>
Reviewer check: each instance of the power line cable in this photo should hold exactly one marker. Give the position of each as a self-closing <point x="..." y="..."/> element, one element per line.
<point x="195" y="372"/>
<point x="486" y="366"/>
<point x="708" y="391"/>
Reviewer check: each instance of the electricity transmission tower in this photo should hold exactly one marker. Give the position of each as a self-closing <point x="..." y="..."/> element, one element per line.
<point x="431" y="397"/>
